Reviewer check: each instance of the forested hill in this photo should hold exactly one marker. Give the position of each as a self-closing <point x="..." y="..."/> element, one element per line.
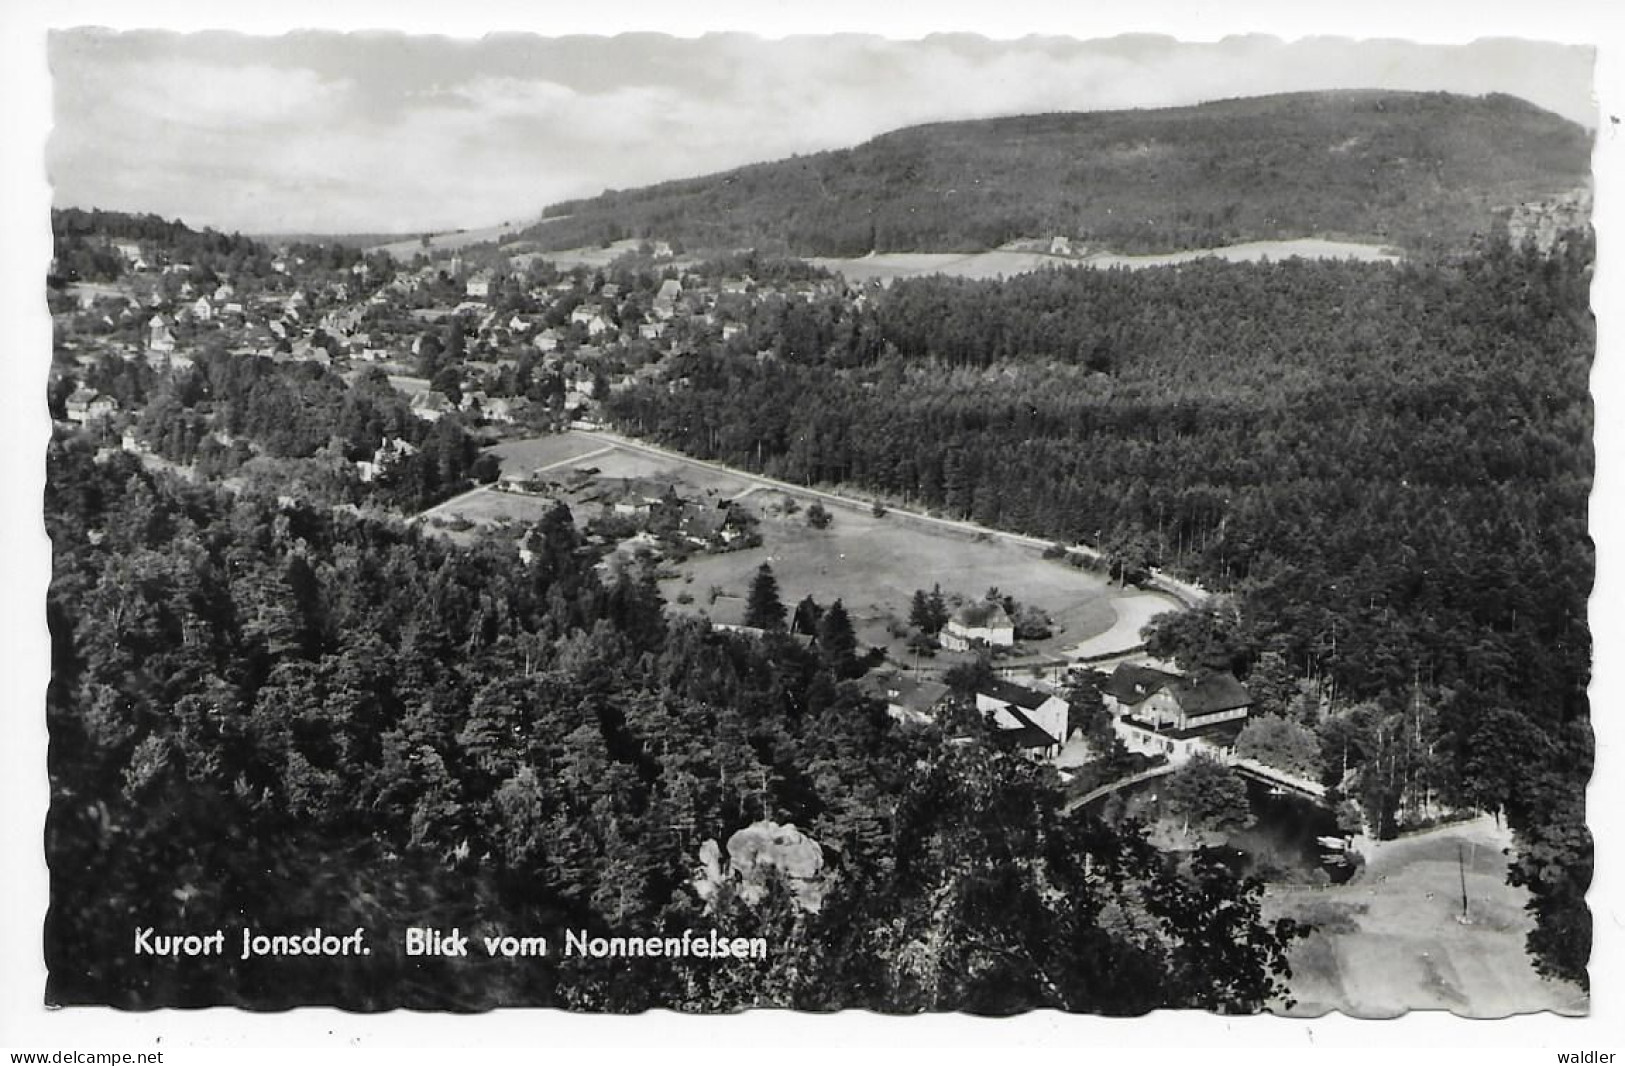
<point x="1409" y="169"/>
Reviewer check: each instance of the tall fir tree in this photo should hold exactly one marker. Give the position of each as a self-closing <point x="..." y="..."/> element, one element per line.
<point x="837" y="642"/>
<point x="763" y="609"/>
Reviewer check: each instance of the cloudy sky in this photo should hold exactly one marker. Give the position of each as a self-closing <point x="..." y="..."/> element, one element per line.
<point x="328" y="131"/>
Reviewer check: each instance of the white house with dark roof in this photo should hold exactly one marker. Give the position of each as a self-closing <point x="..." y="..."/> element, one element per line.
<point x="159" y="339"/>
<point x="1036" y="722"/>
<point x="431" y="405"/>
<point x="907" y="699"/>
<point x="983" y="624"/>
<point x="86" y="405"/>
<point x="1157" y="712"/>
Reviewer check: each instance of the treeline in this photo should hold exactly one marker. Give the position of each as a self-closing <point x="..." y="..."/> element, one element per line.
<point x="1419" y="170"/>
<point x="269" y="715"/>
<point x="83" y="250"/>
<point x="1388" y="466"/>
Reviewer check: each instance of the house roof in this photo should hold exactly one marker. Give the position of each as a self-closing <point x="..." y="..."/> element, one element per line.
<point x="430" y="400"/>
<point x="983" y="615"/>
<point x="703" y="521"/>
<point x="905" y="692"/>
<point x="1221" y="733"/>
<point x="1026" y="734"/>
<point x="1130" y="683"/>
<point x="1014" y="694"/>
<point x="1210" y="693"/>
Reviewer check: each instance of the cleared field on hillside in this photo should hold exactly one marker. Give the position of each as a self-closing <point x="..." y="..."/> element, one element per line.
<point x="1007" y="262"/>
<point x="446" y="242"/>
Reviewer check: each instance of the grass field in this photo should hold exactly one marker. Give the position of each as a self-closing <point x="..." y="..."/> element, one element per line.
<point x="449" y="242"/>
<point x="563" y="452"/>
<point x="489" y="506"/>
<point x="873" y="565"/>
<point x="1007" y="262"/>
<point x="523" y="456"/>
<point x="1390" y="940"/>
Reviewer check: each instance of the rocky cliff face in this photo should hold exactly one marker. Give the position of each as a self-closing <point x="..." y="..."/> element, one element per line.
<point x="1545" y="221"/>
<point x="757" y="855"/>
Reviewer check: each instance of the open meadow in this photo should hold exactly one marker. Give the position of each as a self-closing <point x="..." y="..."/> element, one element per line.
<point x="1390" y="940"/>
<point x="872" y="564"/>
<point x="1007" y="262"/>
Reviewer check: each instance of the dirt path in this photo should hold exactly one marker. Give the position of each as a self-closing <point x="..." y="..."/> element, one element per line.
<point x="1133" y="612"/>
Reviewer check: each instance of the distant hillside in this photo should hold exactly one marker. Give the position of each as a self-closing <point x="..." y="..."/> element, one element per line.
<point x="1408" y="169"/>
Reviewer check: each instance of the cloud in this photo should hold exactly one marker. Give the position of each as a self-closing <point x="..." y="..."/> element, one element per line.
<point x="384" y="131"/>
<point x="207" y="96"/>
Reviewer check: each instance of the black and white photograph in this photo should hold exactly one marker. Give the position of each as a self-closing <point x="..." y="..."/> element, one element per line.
<point x="940" y="523"/>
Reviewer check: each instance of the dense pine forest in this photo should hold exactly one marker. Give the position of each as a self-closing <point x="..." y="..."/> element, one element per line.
<point x="1385" y="469"/>
<point x="1416" y="170"/>
<point x="277" y="705"/>
<point x="273" y="715"/>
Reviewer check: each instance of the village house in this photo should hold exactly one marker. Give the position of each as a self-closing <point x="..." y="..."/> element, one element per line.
<point x="627" y="496"/>
<point x="591" y="316"/>
<point x="977" y="625"/>
<point x="430" y="405"/>
<point x="86" y="405"/>
<point x="160" y="341"/>
<point x="907" y="699"/>
<point x="1034" y="722"/>
<point x="391" y="451"/>
<point x="504" y="409"/>
<point x="1157" y="712"/>
<point x="478" y="286"/>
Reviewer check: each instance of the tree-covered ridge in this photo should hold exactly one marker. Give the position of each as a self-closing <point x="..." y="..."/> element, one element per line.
<point x="1388" y="468"/>
<point x="268" y="714"/>
<point x="1416" y="170"/>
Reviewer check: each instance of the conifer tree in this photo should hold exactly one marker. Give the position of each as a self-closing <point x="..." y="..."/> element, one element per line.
<point x="837" y="643"/>
<point x="763" y="609"/>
